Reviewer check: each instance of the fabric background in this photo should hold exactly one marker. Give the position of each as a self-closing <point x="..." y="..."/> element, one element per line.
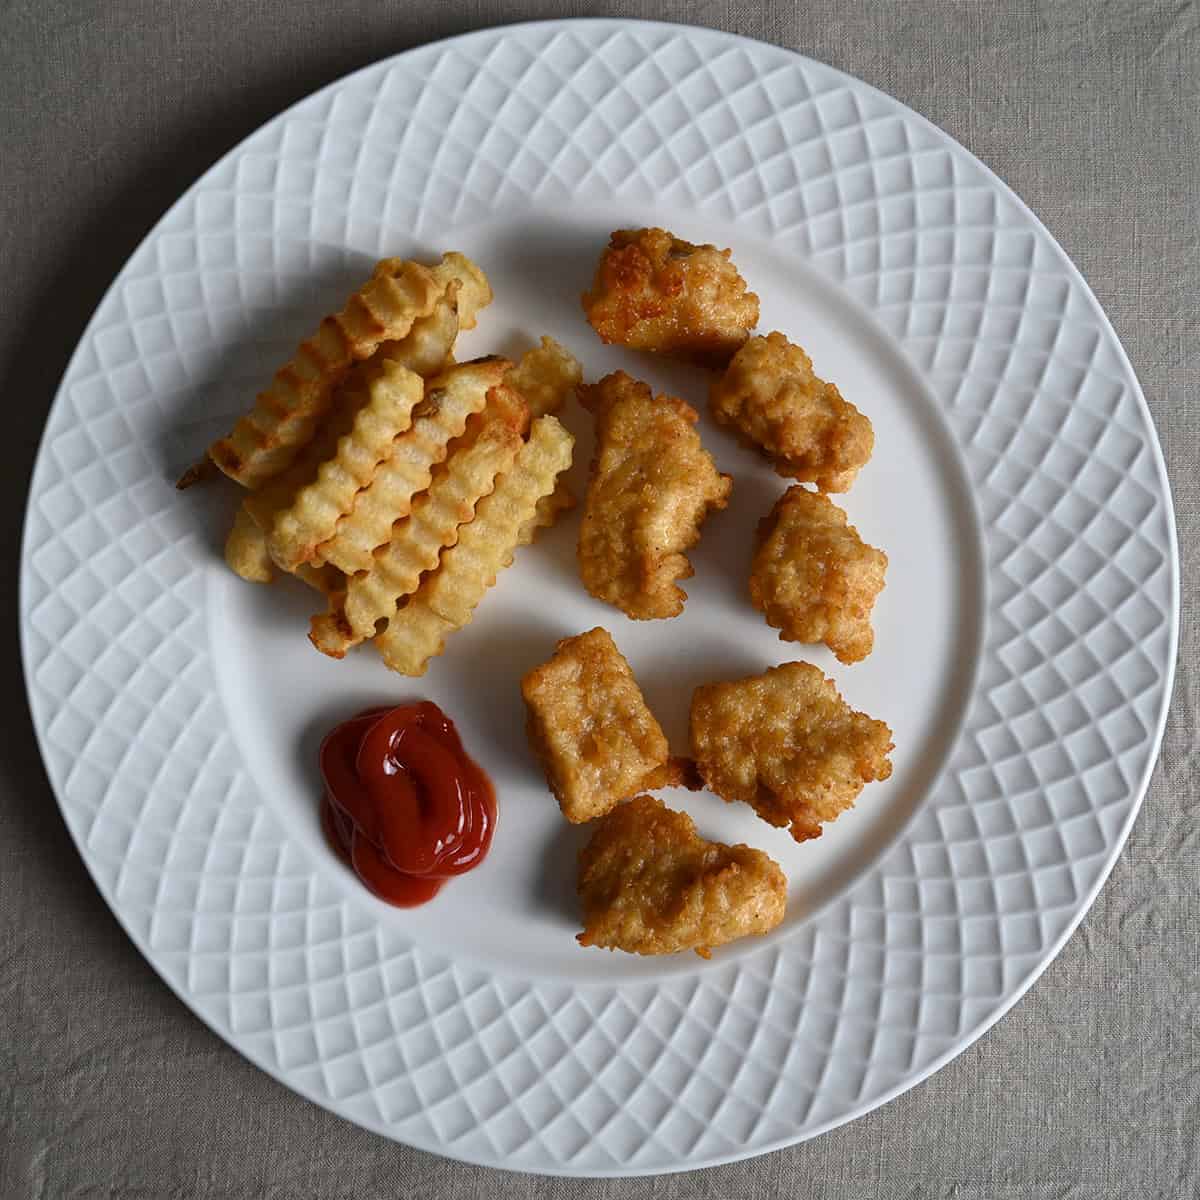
<point x="1089" y="1088"/>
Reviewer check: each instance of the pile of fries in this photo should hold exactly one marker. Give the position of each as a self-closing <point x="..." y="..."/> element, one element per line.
<point x="390" y="478"/>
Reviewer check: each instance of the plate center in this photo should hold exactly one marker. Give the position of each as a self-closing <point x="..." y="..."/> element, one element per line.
<point x="517" y="911"/>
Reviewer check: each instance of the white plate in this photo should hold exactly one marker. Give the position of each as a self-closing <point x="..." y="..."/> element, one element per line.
<point x="1025" y="640"/>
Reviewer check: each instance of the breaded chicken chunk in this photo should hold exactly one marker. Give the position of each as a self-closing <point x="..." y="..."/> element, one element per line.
<point x="591" y="729"/>
<point x="655" y="292"/>
<point x="771" y="395"/>
<point x="649" y="884"/>
<point x="814" y="578"/>
<point x="788" y="745"/>
<point x="652" y="485"/>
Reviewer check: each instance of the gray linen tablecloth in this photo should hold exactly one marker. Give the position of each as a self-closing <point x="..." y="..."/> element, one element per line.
<point x="1089" y="1088"/>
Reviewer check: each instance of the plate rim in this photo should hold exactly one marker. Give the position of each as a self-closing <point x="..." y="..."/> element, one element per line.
<point x="960" y="1043"/>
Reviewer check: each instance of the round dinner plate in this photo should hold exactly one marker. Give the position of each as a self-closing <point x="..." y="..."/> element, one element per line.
<point x="1024" y="643"/>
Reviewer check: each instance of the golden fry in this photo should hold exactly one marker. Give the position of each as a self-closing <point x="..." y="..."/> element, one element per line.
<point x="649" y="884"/>
<point x="787" y="744"/>
<point x="814" y="578"/>
<point x="771" y="395"/>
<point x="327" y="580"/>
<point x="200" y="471"/>
<point x="473" y="293"/>
<point x="447" y="598"/>
<point x="546" y="376"/>
<point x="450" y="399"/>
<point x="265" y="441"/>
<point x="588" y="724"/>
<point x="653" y="291"/>
<point x="546" y="513"/>
<point x="428" y="348"/>
<point x="485" y="451"/>
<point x="246" y="549"/>
<point x="268" y="500"/>
<point x="652" y="485"/>
<point x="247" y="554"/>
<point x="313" y="515"/>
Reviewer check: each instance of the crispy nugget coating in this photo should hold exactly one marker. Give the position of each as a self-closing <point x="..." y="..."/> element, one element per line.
<point x="588" y="723"/>
<point x="814" y="578"/>
<point x="786" y="743"/>
<point x="653" y="291"/>
<point x="771" y="395"/>
<point x="650" y="885"/>
<point x="652" y="485"/>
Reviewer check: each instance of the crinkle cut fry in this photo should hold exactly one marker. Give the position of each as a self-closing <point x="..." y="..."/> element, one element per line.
<point x="393" y="392"/>
<point x="449" y="596"/>
<point x="327" y="580"/>
<point x="450" y="399"/>
<point x="546" y="513"/>
<point x="474" y="291"/>
<point x="546" y="376"/>
<point x="246" y="554"/>
<point x="499" y="520"/>
<point x="201" y="471"/>
<point x="265" y="441"/>
<point x="247" y="541"/>
<point x="246" y="550"/>
<point x="428" y="347"/>
<point x="485" y="451"/>
<point x="266" y="502"/>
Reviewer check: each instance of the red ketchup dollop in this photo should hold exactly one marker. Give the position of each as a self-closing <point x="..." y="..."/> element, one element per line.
<point x="404" y="805"/>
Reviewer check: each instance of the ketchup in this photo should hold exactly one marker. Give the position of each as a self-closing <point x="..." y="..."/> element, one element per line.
<point x="404" y="805"/>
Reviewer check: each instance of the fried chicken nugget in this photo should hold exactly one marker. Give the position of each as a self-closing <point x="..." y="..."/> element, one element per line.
<point x="652" y="485"/>
<point x="653" y="291"/>
<point x="770" y="394"/>
<point x="787" y="744"/>
<point x="589" y="725"/>
<point x="649" y="884"/>
<point x="814" y="578"/>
